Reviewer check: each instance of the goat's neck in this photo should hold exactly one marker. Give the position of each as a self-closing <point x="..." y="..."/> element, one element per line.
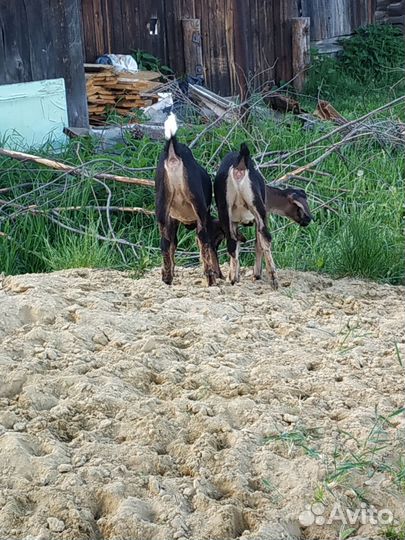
<point x="276" y="201"/>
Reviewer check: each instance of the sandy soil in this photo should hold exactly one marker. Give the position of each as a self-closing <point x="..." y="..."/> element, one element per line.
<point x="133" y="410"/>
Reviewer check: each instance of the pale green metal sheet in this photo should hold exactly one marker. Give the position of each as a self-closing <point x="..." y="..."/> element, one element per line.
<point x="33" y="114"/>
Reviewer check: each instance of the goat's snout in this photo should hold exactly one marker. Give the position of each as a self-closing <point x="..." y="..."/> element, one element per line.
<point x="305" y="220"/>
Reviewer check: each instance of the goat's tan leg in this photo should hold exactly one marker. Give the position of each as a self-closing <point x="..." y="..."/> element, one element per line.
<point x="168" y="244"/>
<point x="258" y="268"/>
<point x="206" y="258"/>
<point x="234" y="266"/>
<point x="263" y="237"/>
<point x="268" y="257"/>
<point x="207" y="254"/>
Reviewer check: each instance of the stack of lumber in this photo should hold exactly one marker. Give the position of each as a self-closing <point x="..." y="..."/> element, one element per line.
<point x="390" y="12"/>
<point x="109" y="91"/>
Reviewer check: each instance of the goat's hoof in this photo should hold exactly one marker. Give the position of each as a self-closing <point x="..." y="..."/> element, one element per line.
<point x="257" y="277"/>
<point x="274" y="283"/>
<point x="167" y="279"/>
<point x="220" y="275"/>
<point x="211" y="279"/>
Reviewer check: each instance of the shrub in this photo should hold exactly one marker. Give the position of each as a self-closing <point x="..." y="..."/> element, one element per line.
<point x="371" y="59"/>
<point x="374" y="53"/>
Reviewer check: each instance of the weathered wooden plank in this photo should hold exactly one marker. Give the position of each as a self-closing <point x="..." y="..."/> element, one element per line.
<point x="283" y="13"/>
<point x="175" y="11"/>
<point x="192" y="47"/>
<point x="70" y="61"/>
<point x="14" y="44"/>
<point x="241" y="47"/>
<point x="300" y="50"/>
<point x="262" y="37"/>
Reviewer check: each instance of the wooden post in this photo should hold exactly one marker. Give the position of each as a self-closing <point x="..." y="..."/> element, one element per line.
<point x="70" y="60"/>
<point x="300" y="50"/>
<point x="192" y="47"/>
<point x="241" y="46"/>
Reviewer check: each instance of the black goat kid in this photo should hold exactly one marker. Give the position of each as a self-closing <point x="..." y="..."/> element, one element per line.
<point x="240" y="196"/>
<point x="183" y="195"/>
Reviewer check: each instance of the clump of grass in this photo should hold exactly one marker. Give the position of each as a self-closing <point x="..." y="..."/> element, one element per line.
<point x="367" y="249"/>
<point x="79" y="252"/>
<point x="374" y="53"/>
<point x="394" y="532"/>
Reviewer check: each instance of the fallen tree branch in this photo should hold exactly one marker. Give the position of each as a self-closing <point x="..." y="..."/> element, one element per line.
<point x="129" y="209"/>
<point x="297" y="172"/>
<point x="77" y="171"/>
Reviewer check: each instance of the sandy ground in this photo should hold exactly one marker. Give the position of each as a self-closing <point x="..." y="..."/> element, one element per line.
<point x="132" y="410"/>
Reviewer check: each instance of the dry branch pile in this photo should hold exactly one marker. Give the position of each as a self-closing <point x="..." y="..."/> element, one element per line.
<point x="108" y="90"/>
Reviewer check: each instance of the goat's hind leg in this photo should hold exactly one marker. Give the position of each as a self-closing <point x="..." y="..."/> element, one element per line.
<point x="258" y="268"/>
<point x="206" y="253"/>
<point x="263" y="245"/>
<point x="264" y="237"/>
<point x="168" y="246"/>
<point x="234" y="265"/>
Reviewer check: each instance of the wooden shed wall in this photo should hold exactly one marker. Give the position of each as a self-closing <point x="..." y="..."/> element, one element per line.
<point x="41" y="39"/>
<point x="121" y="26"/>
<point x="334" y="18"/>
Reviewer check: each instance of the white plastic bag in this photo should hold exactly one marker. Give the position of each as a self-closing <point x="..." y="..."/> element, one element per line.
<point x="123" y="62"/>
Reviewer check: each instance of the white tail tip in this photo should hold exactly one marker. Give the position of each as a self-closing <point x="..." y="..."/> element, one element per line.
<point x="170" y="126"/>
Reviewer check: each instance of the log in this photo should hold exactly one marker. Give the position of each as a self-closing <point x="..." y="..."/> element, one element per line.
<point x="77" y="171"/>
<point x="396" y="9"/>
<point x="300" y="50"/>
<point x="192" y="47"/>
<point x="400" y="19"/>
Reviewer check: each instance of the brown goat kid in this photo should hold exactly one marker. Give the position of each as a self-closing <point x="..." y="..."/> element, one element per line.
<point x="240" y="196"/>
<point x="183" y="195"/>
<point x="290" y="203"/>
<point x="243" y="199"/>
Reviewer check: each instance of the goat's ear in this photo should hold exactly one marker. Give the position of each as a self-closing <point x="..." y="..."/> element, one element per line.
<point x="299" y="204"/>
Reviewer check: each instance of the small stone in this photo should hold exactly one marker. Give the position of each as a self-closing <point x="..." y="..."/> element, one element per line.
<point x="105" y="423"/>
<point x="51" y="354"/>
<point x="100" y="339"/>
<point x="19" y="426"/>
<point x="8" y="419"/>
<point x="154" y="486"/>
<point x="149" y="345"/>
<point x="65" y="467"/>
<point x="55" y="525"/>
<point x="78" y="461"/>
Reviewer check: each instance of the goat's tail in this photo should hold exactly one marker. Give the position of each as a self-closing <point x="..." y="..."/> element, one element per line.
<point x="244" y="155"/>
<point x="170" y="126"/>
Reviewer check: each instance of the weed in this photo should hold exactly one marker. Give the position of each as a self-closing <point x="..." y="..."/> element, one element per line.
<point x="394" y="532"/>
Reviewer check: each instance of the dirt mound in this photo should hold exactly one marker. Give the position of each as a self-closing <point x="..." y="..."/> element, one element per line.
<point x="133" y="410"/>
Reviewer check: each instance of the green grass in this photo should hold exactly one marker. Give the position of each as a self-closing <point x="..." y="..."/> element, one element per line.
<point x="359" y="233"/>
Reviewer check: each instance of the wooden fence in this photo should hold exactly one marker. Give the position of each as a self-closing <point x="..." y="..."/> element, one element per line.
<point x="45" y="39"/>
<point x="121" y="26"/>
